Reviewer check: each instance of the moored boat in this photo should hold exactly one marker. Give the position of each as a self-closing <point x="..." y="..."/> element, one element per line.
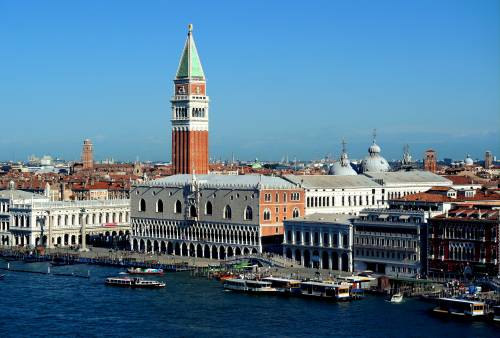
<point x="460" y="307"/>
<point x="396" y="298"/>
<point x="327" y="290"/>
<point x="248" y="285"/>
<point x="145" y="271"/>
<point x="134" y="282"/>
<point x="225" y="277"/>
<point x="284" y="285"/>
<point x="359" y="282"/>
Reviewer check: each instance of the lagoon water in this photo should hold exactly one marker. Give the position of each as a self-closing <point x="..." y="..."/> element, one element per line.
<point x="34" y="305"/>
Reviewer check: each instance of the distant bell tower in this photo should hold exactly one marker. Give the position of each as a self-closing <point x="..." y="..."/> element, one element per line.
<point x="488" y="160"/>
<point x="87" y="155"/>
<point x="190" y="113"/>
<point x="430" y="161"/>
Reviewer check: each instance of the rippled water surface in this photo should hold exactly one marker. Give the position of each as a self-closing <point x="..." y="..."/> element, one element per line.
<point x="39" y="305"/>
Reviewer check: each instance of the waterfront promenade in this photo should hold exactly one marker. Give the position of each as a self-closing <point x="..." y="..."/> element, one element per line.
<point x="276" y="266"/>
<point x="282" y="266"/>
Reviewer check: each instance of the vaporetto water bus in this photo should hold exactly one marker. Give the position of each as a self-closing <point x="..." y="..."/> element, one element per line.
<point x="359" y="282"/>
<point x="247" y="285"/>
<point x="284" y="285"/>
<point x="134" y="282"/>
<point x="460" y="307"/>
<point x="327" y="290"/>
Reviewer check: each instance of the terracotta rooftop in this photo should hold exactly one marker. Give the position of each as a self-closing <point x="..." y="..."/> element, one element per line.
<point x="461" y="180"/>
<point x="471" y="213"/>
<point x="426" y="197"/>
<point x="429" y="196"/>
<point x="441" y="189"/>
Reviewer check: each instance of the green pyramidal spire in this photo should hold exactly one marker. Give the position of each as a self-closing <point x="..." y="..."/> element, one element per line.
<point x="190" y="64"/>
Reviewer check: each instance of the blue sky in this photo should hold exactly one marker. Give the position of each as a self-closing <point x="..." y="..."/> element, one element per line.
<point x="283" y="77"/>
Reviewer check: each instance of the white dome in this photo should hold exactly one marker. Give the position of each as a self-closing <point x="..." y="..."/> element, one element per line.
<point x="374" y="162"/>
<point x="340" y="170"/>
<point x="343" y="166"/>
<point x="468" y="160"/>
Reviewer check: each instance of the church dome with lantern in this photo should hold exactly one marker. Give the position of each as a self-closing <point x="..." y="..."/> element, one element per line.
<point x="374" y="162"/>
<point x="343" y="166"/>
<point x="468" y="160"/>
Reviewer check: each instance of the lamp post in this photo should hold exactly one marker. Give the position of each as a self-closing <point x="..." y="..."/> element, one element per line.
<point x="49" y="217"/>
<point x="83" y="247"/>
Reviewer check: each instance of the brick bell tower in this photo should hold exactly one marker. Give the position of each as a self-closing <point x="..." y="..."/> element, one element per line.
<point x="190" y="113"/>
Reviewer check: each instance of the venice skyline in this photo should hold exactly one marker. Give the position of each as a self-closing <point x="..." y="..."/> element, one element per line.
<point x="429" y="86"/>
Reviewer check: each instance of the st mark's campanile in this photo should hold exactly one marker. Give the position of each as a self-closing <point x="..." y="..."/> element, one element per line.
<point x="190" y="113"/>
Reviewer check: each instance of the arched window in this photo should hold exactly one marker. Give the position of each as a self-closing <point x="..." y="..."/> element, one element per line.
<point x="295" y="213"/>
<point x="142" y="205"/>
<point x="267" y="215"/>
<point x="192" y="211"/>
<point x="159" y="206"/>
<point x="248" y="213"/>
<point x="208" y="208"/>
<point x="178" y="207"/>
<point x="227" y="212"/>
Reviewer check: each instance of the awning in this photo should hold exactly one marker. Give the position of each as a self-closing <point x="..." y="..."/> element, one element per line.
<point x="404" y="217"/>
<point x="383" y="216"/>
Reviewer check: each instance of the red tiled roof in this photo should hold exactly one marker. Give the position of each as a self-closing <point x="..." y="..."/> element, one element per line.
<point x="436" y="197"/>
<point x="441" y="189"/>
<point x="426" y="197"/>
<point x="460" y="180"/>
<point x="471" y="213"/>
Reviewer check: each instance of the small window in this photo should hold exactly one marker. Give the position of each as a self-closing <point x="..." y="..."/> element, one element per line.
<point x="208" y="208"/>
<point x="142" y="205"/>
<point x="178" y="207"/>
<point x="267" y="215"/>
<point x="159" y="206"/>
<point x="295" y="213"/>
<point x="227" y="212"/>
<point x="248" y="213"/>
<point x="192" y="211"/>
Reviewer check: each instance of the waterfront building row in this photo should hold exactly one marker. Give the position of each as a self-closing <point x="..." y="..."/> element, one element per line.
<point x="29" y="219"/>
